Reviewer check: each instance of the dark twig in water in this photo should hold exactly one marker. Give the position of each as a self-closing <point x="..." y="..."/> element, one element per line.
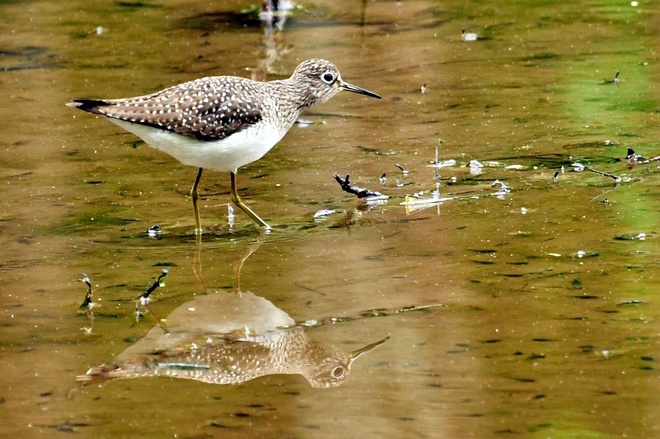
<point x="88" y="304"/>
<point x="88" y="297"/>
<point x="144" y="300"/>
<point x="614" y="80"/>
<point x="359" y="192"/>
<point x="156" y="284"/>
<point x="605" y="174"/>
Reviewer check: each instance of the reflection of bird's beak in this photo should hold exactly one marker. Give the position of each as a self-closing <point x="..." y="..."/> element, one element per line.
<point x="360" y="352"/>
<point x="350" y="87"/>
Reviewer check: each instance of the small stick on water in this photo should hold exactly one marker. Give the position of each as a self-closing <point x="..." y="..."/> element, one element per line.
<point x="144" y="300"/>
<point x="359" y="192"/>
<point x="88" y="297"/>
<point x="155" y="285"/>
<point x="87" y="304"/>
<point x="605" y="174"/>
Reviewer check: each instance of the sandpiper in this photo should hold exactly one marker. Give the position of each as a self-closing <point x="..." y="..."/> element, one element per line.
<point x="223" y="122"/>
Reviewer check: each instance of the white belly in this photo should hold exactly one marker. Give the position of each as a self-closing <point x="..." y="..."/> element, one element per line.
<point x="228" y="154"/>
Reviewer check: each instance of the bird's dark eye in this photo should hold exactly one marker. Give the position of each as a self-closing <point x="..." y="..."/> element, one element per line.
<point x="328" y="77"/>
<point x="338" y="372"/>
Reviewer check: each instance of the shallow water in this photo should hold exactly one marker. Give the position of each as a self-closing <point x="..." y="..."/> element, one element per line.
<point x="529" y="314"/>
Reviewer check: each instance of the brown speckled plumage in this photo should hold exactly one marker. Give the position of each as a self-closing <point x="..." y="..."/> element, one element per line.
<point x="215" y="107"/>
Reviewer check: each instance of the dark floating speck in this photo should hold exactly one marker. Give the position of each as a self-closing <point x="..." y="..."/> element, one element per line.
<point x="491" y="341"/>
<point x="525" y="380"/>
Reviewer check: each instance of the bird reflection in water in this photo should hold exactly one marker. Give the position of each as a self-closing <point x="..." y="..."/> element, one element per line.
<point x="230" y="338"/>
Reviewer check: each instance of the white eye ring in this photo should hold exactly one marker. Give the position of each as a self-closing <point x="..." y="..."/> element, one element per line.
<point x="338" y="372"/>
<point x="328" y="77"/>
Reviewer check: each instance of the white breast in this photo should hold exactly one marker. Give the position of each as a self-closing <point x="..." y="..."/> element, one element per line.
<point x="227" y="154"/>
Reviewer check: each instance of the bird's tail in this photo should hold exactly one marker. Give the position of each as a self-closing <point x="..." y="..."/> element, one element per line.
<point x="88" y="105"/>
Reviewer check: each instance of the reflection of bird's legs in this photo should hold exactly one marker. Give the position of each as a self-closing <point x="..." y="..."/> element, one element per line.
<point x="195" y="195"/>
<point x="197" y="263"/>
<point x="239" y="265"/>
<point x="242" y="205"/>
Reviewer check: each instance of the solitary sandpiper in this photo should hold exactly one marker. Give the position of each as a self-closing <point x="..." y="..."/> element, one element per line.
<point x="223" y="122"/>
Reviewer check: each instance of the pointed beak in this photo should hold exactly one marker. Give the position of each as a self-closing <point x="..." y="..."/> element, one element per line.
<point x="350" y="87"/>
<point x="360" y="352"/>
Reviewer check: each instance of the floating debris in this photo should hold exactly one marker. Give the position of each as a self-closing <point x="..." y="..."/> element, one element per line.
<point x="359" y="192"/>
<point x="604" y="174"/>
<point x="324" y="213"/>
<point x="579" y="167"/>
<point x="402" y="170"/>
<point x="155" y="232"/>
<point x="468" y="36"/>
<point x="631" y="302"/>
<point x="87" y="303"/>
<point x="416" y="202"/>
<point x="632" y="158"/>
<point x="143" y="300"/>
<point x="586" y="254"/>
<point x="476" y="167"/>
<point x="632" y="236"/>
<point x="504" y="189"/>
<point x="443" y="164"/>
<point x="614" y="80"/>
<point x="144" y="297"/>
<point x="304" y="122"/>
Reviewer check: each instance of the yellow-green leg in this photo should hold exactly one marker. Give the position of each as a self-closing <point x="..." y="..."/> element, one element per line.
<point x="244" y="208"/>
<point x="195" y="195"/>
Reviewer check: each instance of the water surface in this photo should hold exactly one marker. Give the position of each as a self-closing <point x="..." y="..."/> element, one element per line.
<point x="539" y="305"/>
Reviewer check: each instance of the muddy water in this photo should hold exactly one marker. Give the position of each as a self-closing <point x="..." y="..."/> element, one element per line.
<point x="538" y="313"/>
